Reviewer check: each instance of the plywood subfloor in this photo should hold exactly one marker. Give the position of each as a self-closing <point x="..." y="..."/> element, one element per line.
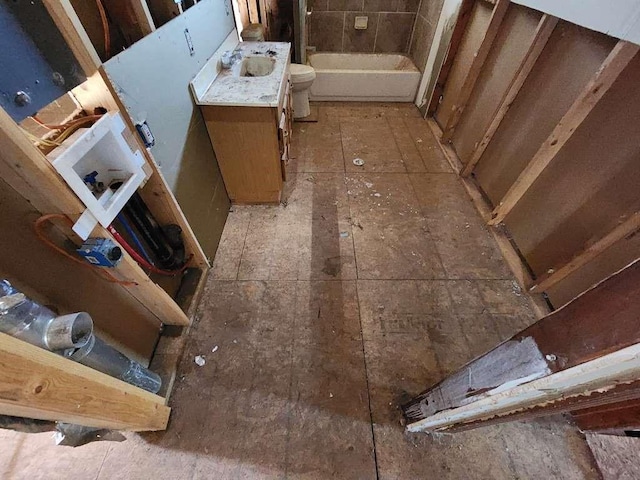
<point x="369" y="285"/>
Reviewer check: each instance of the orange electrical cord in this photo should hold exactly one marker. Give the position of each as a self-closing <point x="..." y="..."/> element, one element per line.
<point x="37" y="120"/>
<point x="105" y="28"/>
<point x="44" y="239"/>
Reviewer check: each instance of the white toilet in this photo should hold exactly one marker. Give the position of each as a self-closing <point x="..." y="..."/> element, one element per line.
<point x="302" y="76"/>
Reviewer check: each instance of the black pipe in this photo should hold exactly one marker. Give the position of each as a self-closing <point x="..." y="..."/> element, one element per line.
<point x="165" y="248"/>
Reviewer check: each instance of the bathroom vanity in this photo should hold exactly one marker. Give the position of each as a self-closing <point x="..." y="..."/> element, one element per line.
<point x="248" y="114"/>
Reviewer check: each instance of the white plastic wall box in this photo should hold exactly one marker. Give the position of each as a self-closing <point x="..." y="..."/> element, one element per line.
<point x="101" y="148"/>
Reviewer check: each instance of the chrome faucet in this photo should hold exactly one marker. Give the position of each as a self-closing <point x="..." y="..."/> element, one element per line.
<point x="228" y="58"/>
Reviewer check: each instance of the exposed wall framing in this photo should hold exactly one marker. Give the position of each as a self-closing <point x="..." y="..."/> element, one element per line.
<point x="131" y="308"/>
<point x="538" y="116"/>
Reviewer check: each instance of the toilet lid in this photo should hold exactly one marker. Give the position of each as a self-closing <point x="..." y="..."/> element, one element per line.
<point x="301" y="72"/>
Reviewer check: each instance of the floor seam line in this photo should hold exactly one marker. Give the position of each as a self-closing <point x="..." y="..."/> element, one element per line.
<point x="366" y="376"/>
<point x="351" y="220"/>
<point x="395" y="140"/>
<point x="424" y="163"/>
<point x="104" y="459"/>
<point x="244" y="244"/>
<point x="291" y="402"/>
<point x="427" y="230"/>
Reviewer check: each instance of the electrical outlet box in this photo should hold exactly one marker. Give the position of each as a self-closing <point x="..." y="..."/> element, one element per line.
<point x="361" y="23"/>
<point x="102" y="152"/>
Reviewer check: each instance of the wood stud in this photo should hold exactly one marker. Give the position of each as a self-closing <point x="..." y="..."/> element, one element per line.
<point x="65" y="18"/>
<point x="545" y="27"/>
<point x="602" y="81"/>
<point x="628" y="227"/>
<point x="499" y="12"/>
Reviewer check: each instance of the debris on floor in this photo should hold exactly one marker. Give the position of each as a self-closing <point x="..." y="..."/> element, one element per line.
<point x="200" y="361"/>
<point x="358" y="162"/>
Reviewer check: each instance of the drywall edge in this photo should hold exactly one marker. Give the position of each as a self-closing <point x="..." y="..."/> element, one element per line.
<point x="620" y="19"/>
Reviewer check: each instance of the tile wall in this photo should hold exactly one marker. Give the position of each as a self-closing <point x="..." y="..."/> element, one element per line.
<point x="331" y="25"/>
<point x="423" y="31"/>
<point x="395" y="26"/>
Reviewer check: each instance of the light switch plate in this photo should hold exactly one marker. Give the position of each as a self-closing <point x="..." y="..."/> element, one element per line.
<point x="361" y="23"/>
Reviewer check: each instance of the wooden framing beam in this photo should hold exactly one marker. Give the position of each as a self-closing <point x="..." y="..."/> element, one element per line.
<point x="143" y="15"/>
<point x="601" y="82"/>
<point x="498" y="14"/>
<point x="628" y="392"/>
<point x="254" y="16"/>
<point x="65" y="18"/>
<point x="264" y="18"/>
<point x="35" y="383"/>
<point x="132" y="18"/>
<point x="628" y="227"/>
<point x="29" y="172"/>
<point x="545" y="27"/>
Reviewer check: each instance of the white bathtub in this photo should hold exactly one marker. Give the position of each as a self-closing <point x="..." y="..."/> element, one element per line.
<point x="364" y="77"/>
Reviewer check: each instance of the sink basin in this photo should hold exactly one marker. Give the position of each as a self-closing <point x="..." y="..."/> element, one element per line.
<point x="257" y="66"/>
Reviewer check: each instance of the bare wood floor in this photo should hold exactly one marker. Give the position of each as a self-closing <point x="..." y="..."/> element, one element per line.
<point x="368" y="285"/>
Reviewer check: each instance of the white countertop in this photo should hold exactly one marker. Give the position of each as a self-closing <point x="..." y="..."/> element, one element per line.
<point x="228" y="89"/>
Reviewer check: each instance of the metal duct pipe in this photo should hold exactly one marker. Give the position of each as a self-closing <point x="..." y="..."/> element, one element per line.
<point x="103" y="357"/>
<point x="25" y="319"/>
<point x="68" y="335"/>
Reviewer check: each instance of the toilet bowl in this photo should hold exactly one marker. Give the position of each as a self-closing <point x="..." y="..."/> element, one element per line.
<point x="253" y="33"/>
<point x="302" y="77"/>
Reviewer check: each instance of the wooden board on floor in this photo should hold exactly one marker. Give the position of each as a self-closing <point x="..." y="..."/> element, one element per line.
<point x="556" y="350"/>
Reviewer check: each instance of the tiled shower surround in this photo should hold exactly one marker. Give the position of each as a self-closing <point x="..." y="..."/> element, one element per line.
<point x="390" y="30"/>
